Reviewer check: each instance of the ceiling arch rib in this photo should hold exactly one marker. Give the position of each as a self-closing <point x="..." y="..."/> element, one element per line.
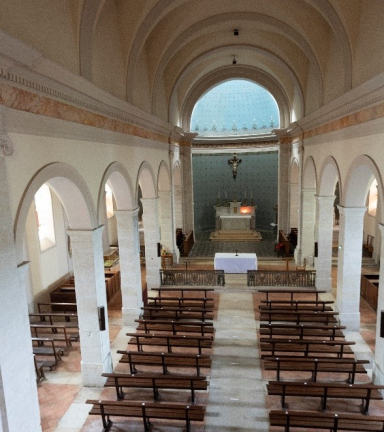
<point x="281" y="66"/>
<point x="226" y="73"/>
<point x="325" y="8"/>
<point x="89" y="18"/>
<point x="203" y="28"/>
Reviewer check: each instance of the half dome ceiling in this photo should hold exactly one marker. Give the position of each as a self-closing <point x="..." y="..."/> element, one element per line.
<point x="162" y="55"/>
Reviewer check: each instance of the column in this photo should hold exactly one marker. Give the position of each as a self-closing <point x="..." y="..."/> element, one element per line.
<point x="104" y="216"/>
<point x="324" y="242"/>
<point x="349" y="266"/>
<point x="168" y="238"/>
<point x="152" y="238"/>
<point x="130" y="272"/>
<point x="378" y="363"/>
<point x="283" y="192"/>
<point x="307" y="236"/>
<point x="88" y="267"/>
<point x="18" y="391"/>
<point x="186" y="159"/>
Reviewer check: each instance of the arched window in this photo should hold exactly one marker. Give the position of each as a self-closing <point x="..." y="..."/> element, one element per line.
<point x="235" y="108"/>
<point x="44" y="217"/>
<point x="109" y="201"/>
<point x="372" y="198"/>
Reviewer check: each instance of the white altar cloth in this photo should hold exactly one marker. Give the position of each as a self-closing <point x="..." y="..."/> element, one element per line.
<point x="231" y="263"/>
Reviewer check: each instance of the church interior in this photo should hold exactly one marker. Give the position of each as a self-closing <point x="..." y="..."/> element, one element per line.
<point x="144" y="137"/>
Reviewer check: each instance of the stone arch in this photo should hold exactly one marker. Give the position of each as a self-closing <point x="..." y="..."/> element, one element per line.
<point x="163" y="178"/>
<point x="146" y="179"/>
<point x="227" y="73"/>
<point x="309" y="173"/>
<point x="358" y="180"/>
<point x="73" y="193"/>
<point x="328" y="177"/>
<point x="122" y="187"/>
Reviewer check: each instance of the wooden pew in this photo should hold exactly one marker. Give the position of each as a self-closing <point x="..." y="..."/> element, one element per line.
<point x="165" y="360"/>
<point x="305" y="347"/>
<point x="315" y="305"/>
<point x="301" y="331"/>
<point x="175" y="327"/>
<point x="315" y="366"/>
<point x="195" y="290"/>
<point x="202" y="302"/>
<point x="56" y="306"/>
<point x="152" y="312"/>
<point x="170" y="341"/>
<point x="327" y="421"/>
<point x="146" y="411"/>
<point x="325" y="391"/>
<point x="54" y="320"/>
<point x="46" y="347"/>
<point x="299" y="317"/>
<point x="155" y="382"/>
<point x="291" y="291"/>
<point x="42" y="331"/>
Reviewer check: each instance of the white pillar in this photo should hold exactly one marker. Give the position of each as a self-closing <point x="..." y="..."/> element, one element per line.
<point x="324" y="242"/>
<point x="378" y="363"/>
<point x="152" y="238"/>
<point x="188" y="211"/>
<point x="294" y="205"/>
<point x="88" y="267"/>
<point x="104" y="216"/>
<point x="18" y="392"/>
<point x="130" y="272"/>
<point x="307" y="237"/>
<point x="349" y="266"/>
<point x="168" y="237"/>
<point x="283" y="191"/>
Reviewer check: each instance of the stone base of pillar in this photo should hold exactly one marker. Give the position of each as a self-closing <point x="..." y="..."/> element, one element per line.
<point x="351" y="321"/>
<point x="377" y="374"/>
<point x="91" y="372"/>
<point x="130" y="314"/>
<point x="324" y="284"/>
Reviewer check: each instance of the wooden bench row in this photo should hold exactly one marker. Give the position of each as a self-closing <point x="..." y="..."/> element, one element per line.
<point x="325" y="391"/>
<point x="176" y="313"/>
<point x="175" y="327"/>
<point x="315" y="366"/>
<point x="146" y="412"/>
<point x="155" y="382"/>
<point x="301" y="331"/>
<point x="202" y="302"/>
<point x="325" y="421"/>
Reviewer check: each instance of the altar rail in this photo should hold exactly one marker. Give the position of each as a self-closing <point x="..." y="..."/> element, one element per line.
<point x="192" y="277"/>
<point x="297" y="278"/>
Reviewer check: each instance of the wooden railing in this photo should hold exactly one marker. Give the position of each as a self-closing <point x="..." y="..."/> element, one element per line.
<point x="281" y="278"/>
<point x="192" y="277"/>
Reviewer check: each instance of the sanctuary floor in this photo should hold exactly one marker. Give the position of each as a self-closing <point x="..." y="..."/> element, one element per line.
<point x="236" y="399"/>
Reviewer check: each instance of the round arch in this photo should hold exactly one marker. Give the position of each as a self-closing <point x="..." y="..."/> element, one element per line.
<point x="357" y="183"/>
<point x="73" y="193"/>
<point x="328" y="177"/>
<point x="227" y="73"/>
<point x="309" y="175"/>
<point x="121" y="184"/>
<point x="146" y="179"/>
<point x="163" y="178"/>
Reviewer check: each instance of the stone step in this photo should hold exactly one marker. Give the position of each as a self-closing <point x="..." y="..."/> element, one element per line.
<point x="235" y="235"/>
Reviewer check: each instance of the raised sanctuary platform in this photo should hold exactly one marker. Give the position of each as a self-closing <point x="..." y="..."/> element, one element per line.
<point x="235" y="222"/>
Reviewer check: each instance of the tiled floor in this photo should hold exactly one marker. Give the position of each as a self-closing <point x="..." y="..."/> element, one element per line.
<point x="62" y="397"/>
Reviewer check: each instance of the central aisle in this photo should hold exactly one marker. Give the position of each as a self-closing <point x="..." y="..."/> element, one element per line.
<point x="237" y="392"/>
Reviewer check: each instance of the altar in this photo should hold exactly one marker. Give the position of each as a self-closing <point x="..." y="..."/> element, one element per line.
<point x="235" y="262"/>
<point x="235" y="221"/>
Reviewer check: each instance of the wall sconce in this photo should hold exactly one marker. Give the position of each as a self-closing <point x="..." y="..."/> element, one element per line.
<point x="234" y="60"/>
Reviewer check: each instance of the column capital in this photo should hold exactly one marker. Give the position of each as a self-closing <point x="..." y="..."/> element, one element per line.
<point x="308" y="191"/>
<point x="149" y="200"/>
<point x="133" y="212"/>
<point x="352" y="211"/>
<point x="85" y="235"/>
<point x="325" y="197"/>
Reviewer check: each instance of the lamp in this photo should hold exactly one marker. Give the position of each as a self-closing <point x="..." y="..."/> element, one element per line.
<point x="236" y="32"/>
<point x="234" y="60"/>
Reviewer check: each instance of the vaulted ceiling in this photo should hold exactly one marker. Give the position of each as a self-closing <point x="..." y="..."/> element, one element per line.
<point x="162" y="55"/>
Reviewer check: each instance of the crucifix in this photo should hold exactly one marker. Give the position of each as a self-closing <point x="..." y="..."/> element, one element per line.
<point x="234" y="162"/>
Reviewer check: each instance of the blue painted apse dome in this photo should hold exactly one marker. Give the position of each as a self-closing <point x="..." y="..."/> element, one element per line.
<point x="235" y="108"/>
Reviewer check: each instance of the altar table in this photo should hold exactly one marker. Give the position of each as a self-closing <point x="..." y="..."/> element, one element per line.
<point x="231" y="222"/>
<point x="232" y="263"/>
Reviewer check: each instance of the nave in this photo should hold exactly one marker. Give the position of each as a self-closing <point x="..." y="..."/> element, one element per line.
<point x="62" y="399"/>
